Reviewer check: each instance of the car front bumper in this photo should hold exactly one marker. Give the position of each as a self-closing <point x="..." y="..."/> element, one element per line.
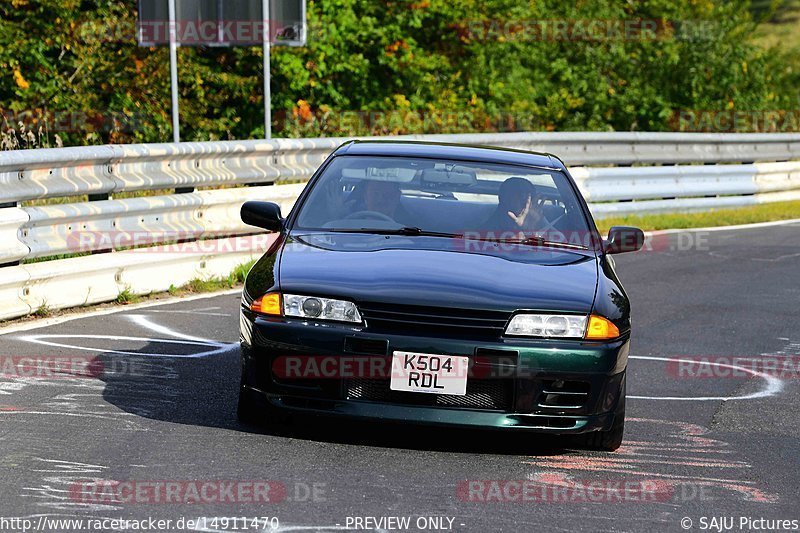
<point x="559" y="387"/>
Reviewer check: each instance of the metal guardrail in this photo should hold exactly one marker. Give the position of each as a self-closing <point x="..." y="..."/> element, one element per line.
<point x="37" y="232"/>
<point x="94" y="279"/>
<point x="108" y="170"/>
<point x="692" y="179"/>
<point x="113" y="224"/>
<point x="637" y="190"/>
<point x="62" y="172"/>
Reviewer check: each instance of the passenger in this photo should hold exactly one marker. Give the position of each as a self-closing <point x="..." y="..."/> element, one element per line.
<point x="517" y="208"/>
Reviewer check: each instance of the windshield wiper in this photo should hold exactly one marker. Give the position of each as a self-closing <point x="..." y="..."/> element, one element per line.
<point x="535" y="240"/>
<point x="405" y="230"/>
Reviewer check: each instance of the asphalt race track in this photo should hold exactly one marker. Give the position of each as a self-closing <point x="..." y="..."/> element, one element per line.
<point x="160" y="407"/>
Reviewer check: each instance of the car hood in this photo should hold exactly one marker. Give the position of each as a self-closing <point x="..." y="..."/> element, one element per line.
<point x="424" y="271"/>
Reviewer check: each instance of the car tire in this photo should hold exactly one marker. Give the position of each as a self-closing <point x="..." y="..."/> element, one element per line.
<point x="256" y="411"/>
<point x="247" y="409"/>
<point x="610" y="440"/>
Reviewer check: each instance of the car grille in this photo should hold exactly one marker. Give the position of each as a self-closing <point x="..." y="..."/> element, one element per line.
<point x="494" y="394"/>
<point x="434" y="321"/>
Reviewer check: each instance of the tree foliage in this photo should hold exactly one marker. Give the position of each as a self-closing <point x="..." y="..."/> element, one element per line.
<point x="73" y="67"/>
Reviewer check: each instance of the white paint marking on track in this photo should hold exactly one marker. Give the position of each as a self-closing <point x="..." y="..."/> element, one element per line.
<point x="7" y="386"/>
<point x="128" y="423"/>
<point x="146" y="323"/>
<point x="216" y="348"/>
<point x="774" y="259"/>
<point x="47" y="322"/>
<point x="189" y="312"/>
<point x="69" y="466"/>
<point x="773" y="386"/>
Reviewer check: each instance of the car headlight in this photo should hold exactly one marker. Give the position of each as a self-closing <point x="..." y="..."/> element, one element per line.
<point x="320" y="308"/>
<point x="592" y="327"/>
<point x="277" y="304"/>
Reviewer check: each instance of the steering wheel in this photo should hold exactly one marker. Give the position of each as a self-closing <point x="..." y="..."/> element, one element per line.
<point x="369" y="215"/>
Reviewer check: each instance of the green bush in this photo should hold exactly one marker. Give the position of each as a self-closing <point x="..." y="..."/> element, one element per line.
<point x="72" y="68"/>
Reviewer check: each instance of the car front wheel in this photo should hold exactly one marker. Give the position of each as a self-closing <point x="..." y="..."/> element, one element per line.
<point x="247" y="409"/>
<point x="610" y="440"/>
<point x="254" y="410"/>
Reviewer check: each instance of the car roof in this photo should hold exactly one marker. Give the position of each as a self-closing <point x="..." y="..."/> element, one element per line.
<point x="463" y="152"/>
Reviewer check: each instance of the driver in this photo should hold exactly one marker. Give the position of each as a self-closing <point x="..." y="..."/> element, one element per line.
<point x="382" y="197"/>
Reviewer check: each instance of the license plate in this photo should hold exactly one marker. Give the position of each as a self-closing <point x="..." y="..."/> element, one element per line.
<point x="437" y="374"/>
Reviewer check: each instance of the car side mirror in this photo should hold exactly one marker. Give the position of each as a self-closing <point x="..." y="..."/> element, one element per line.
<point x="622" y="239"/>
<point x="265" y="215"/>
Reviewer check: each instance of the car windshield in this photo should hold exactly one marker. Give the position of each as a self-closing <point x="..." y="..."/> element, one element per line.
<point x="416" y="196"/>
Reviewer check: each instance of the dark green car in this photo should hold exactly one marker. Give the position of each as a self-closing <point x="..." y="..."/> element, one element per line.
<point x="439" y="284"/>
